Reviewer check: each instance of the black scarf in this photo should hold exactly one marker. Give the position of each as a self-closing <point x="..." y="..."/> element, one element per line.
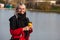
<point x="20" y="20"/>
<point x="21" y="16"/>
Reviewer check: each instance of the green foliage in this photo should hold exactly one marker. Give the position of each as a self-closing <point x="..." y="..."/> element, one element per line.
<point x="44" y="6"/>
<point x="55" y="8"/>
<point x="2" y="1"/>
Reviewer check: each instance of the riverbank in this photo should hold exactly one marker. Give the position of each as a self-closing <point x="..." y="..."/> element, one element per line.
<point x="37" y="10"/>
<point x="55" y="11"/>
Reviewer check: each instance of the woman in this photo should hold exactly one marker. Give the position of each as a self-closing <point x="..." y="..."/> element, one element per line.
<point x="19" y="28"/>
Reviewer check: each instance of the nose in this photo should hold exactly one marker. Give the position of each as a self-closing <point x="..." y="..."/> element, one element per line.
<point x="19" y="9"/>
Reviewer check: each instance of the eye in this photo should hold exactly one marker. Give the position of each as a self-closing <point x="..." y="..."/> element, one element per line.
<point x="18" y="8"/>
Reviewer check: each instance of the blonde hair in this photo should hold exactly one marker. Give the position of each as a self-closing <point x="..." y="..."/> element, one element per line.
<point x="22" y="4"/>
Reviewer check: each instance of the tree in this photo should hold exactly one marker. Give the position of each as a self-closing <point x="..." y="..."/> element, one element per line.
<point x="2" y="1"/>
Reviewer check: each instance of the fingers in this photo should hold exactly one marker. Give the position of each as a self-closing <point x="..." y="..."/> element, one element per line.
<point x="26" y="28"/>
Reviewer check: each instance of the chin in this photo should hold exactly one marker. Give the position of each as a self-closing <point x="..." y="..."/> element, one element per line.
<point x="22" y="13"/>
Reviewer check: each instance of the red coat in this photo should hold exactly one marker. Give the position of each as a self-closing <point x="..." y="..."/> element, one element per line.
<point x="18" y="32"/>
<point x="17" y="25"/>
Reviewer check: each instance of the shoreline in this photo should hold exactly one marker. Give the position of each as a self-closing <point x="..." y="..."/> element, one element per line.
<point x="37" y="10"/>
<point x="54" y="11"/>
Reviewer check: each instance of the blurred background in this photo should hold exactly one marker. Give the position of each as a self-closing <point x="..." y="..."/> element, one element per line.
<point x="44" y="14"/>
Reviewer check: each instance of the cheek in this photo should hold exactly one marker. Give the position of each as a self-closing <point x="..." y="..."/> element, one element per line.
<point x="23" y="10"/>
<point x="19" y="9"/>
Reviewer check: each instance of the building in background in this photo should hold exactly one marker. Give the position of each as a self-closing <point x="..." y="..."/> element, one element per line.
<point x="32" y="3"/>
<point x="13" y="2"/>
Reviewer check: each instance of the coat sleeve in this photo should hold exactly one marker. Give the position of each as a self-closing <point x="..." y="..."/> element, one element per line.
<point x="27" y="21"/>
<point x="31" y="30"/>
<point x="12" y="23"/>
<point x="14" y="31"/>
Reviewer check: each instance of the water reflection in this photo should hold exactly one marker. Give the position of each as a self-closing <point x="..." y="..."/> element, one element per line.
<point x="46" y="25"/>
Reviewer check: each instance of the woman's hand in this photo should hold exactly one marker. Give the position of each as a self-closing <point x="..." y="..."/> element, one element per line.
<point x="26" y="28"/>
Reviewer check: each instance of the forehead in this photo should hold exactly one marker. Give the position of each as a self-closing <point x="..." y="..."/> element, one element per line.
<point x="21" y="6"/>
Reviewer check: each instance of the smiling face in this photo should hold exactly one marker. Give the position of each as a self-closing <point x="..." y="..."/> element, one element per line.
<point x="21" y="9"/>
